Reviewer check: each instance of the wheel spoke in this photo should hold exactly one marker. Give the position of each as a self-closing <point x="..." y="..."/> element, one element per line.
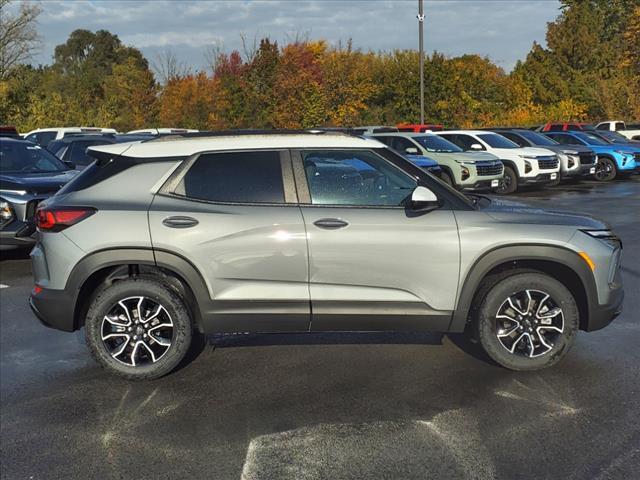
<point x="517" y="309"/>
<point x="153" y="355"/>
<point x="134" y="352"/>
<point x="116" y="335"/>
<point x="161" y="341"/>
<point x="529" y="302"/>
<point x="114" y="321"/>
<point x="126" y="311"/>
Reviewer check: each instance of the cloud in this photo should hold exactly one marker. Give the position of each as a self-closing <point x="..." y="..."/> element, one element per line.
<point x="502" y="30"/>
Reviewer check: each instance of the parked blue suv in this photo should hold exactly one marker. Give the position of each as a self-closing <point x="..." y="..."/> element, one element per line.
<point x="613" y="159"/>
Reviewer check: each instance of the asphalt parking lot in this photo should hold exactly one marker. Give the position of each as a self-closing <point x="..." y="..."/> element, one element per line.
<point x="335" y="406"/>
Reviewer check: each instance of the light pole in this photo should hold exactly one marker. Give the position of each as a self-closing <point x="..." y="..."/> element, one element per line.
<point x="421" y="49"/>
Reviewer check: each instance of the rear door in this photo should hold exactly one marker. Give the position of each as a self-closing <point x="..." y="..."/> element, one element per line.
<point x="234" y="216"/>
<point x="374" y="264"/>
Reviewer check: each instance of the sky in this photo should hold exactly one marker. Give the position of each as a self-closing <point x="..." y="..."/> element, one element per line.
<point x="503" y="30"/>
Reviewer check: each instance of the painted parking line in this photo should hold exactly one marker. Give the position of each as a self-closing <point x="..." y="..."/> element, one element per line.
<point x="2" y="285"/>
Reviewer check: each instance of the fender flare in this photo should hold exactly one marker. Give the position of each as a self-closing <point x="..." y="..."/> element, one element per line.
<point x="550" y="255"/>
<point x="102" y="259"/>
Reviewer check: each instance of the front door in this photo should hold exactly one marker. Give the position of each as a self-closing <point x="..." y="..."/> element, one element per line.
<point x="234" y="217"/>
<point x="373" y="263"/>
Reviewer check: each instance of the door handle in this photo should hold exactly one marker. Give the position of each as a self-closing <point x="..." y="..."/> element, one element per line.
<point x="179" y="222"/>
<point x="330" y="223"/>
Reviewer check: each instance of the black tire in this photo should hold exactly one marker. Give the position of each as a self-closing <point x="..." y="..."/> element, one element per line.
<point x="554" y="346"/>
<point x="509" y="183"/>
<point x="446" y="178"/>
<point x="155" y="292"/>
<point x="606" y="170"/>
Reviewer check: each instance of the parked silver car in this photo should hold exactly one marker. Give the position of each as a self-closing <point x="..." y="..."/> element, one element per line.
<point x="160" y="241"/>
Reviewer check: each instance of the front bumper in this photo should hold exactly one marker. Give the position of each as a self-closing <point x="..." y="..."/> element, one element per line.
<point x="483" y="184"/>
<point x="54" y="308"/>
<point x="541" y="178"/>
<point x="584" y="170"/>
<point x="602" y="315"/>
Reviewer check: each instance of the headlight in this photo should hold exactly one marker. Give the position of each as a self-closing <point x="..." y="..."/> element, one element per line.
<point x="465" y="173"/>
<point x="6" y="213"/>
<point x="606" y="236"/>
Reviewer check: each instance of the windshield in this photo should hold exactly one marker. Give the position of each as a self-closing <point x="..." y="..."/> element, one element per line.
<point x="614" y="136"/>
<point x="538" y="139"/>
<point x="433" y="143"/>
<point x="25" y="157"/>
<point x="591" y="139"/>
<point x="497" y="141"/>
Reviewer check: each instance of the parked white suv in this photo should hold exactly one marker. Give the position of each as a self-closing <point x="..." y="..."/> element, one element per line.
<point x="522" y="166"/>
<point x="630" y="131"/>
<point x="43" y="136"/>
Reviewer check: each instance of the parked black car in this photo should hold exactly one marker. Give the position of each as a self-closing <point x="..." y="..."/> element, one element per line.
<point x="575" y="161"/>
<point x="28" y="175"/>
<point x="73" y="148"/>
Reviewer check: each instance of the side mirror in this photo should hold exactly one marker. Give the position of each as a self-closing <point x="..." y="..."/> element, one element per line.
<point x="411" y="150"/>
<point x="476" y="146"/>
<point x="70" y="165"/>
<point x="424" y="199"/>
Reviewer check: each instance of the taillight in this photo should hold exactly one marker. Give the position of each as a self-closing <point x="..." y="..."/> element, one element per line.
<point x="57" y="219"/>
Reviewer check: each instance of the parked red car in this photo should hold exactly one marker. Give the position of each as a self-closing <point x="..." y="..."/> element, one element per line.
<point x="418" y="128"/>
<point x="566" y="126"/>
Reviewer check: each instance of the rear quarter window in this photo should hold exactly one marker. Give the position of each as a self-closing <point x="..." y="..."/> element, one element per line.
<point x="234" y="177"/>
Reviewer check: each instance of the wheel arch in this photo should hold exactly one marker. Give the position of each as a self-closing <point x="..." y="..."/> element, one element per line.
<point x="108" y="266"/>
<point x="558" y="262"/>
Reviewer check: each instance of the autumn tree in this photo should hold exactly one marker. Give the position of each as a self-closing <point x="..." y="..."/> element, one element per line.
<point x="18" y="35"/>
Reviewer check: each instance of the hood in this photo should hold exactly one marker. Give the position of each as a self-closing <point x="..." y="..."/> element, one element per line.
<point x="568" y="148"/>
<point x="513" y="212"/>
<point x="421" y="161"/>
<point x="36" y="182"/>
<point x="471" y="156"/>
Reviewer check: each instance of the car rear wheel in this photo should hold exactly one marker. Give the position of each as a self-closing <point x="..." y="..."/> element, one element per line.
<point x="605" y="170"/>
<point x="509" y="182"/>
<point x="527" y="321"/>
<point x="138" y="329"/>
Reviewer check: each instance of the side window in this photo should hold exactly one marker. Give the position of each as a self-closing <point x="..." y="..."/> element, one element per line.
<point x="238" y="177"/>
<point x="32" y="138"/>
<point x="619" y="126"/>
<point x="77" y="153"/>
<point x="455" y="139"/>
<point x="571" y="127"/>
<point x="355" y="178"/>
<point x="465" y="142"/>
<point x="603" y="126"/>
<point x="561" y="139"/>
<point x="384" y="139"/>
<point x="400" y="144"/>
<point x="555" y="128"/>
<point x="515" y="139"/>
<point x="43" y="138"/>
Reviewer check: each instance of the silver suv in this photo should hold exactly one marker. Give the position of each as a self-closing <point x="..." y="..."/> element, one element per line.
<point x="160" y="242"/>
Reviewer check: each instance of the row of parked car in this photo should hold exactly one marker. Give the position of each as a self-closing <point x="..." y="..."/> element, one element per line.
<point x="502" y="160"/>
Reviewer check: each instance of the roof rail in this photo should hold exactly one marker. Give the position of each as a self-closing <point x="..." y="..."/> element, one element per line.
<point x="234" y="133"/>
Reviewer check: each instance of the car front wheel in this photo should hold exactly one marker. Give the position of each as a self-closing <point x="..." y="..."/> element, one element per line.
<point x="509" y="183"/>
<point x="138" y="329"/>
<point x="527" y="321"/>
<point x="605" y="170"/>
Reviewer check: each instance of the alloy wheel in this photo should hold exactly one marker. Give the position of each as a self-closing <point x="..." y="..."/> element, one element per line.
<point x="137" y="331"/>
<point x="604" y="169"/>
<point x="529" y="323"/>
